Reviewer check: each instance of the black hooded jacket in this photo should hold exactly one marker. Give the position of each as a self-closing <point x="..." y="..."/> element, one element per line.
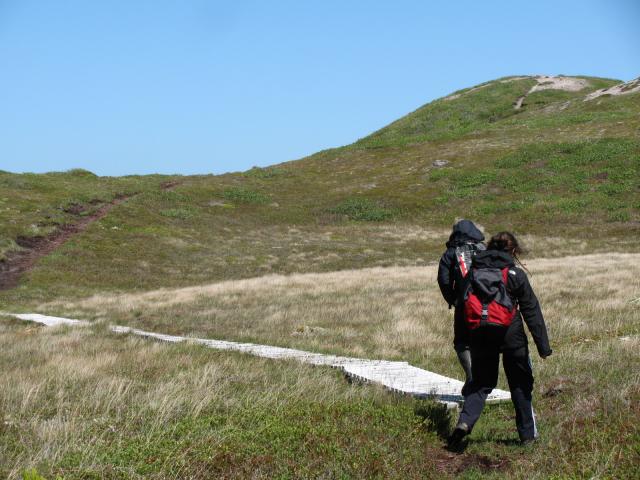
<point x="521" y="293"/>
<point x="449" y="276"/>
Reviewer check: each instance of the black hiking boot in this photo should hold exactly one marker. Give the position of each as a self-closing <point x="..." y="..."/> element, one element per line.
<point x="458" y="434"/>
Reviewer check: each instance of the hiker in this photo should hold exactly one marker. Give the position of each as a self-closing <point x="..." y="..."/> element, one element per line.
<point x="465" y="240"/>
<point x="498" y="299"/>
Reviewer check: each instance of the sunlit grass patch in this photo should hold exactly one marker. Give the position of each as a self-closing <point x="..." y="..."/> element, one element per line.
<point x="363" y="209"/>
<point x="244" y="195"/>
<point x="181" y="213"/>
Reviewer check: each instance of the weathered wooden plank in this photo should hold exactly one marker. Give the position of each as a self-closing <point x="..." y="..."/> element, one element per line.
<point x="399" y="377"/>
<point x="45" y="319"/>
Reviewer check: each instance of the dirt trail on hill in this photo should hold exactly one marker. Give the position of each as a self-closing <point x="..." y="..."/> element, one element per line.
<point x="34" y="248"/>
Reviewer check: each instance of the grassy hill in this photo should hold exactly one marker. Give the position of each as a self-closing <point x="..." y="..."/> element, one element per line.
<point x="164" y="253"/>
<point x="560" y="170"/>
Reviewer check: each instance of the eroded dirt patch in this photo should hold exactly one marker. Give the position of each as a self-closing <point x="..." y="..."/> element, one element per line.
<point x="170" y="185"/>
<point x="35" y="247"/>
<point x="632" y="86"/>
<point x="457" y="463"/>
<point x="38" y="246"/>
<point x="547" y="82"/>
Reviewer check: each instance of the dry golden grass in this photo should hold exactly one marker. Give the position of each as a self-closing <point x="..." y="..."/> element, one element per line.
<point x="70" y="390"/>
<point x="392" y="312"/>
<point x="81" y="390"/>
<point x="379" y="311"/>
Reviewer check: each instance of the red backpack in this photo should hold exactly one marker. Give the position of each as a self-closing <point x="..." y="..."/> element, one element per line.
<point x="486" y="301"/>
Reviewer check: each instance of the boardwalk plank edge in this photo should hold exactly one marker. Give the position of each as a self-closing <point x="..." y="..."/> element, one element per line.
<point x="396" y="376"/>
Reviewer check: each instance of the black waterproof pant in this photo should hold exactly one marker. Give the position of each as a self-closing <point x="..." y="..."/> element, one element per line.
<point x="486" y="343"/>
<point x="461" y="338"/>
<point x="461" y="344"/>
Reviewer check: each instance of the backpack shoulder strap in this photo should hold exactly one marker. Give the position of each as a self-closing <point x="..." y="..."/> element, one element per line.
<point x="464" y="255"/>
<point x="505" y="275"/>
<point x="505" y="279"/>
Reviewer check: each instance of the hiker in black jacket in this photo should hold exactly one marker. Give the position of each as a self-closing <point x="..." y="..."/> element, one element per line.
<point x="465" y="239"/>
<point x="488" y="340"/>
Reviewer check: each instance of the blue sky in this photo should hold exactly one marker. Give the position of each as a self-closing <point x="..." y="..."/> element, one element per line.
<point x="191" y="86"/>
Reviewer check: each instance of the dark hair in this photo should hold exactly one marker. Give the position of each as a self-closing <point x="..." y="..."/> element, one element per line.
<point x="507" y="242"/>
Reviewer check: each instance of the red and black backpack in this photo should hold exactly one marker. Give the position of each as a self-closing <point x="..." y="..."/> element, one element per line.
<point x="486" y="300"/>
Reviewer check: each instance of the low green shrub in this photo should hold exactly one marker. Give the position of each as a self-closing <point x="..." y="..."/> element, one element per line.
<point x="244" y="195"/>
<point x="439" y="174"/>
<point x="80" y="172"/>
<point x="180" y="213"/>
<point x="6" y="247"/>
<point x="619" y="216"/>
<point x="264" y="173"/>
<point x="32" y="474"/>
<point x="363" y="209"/>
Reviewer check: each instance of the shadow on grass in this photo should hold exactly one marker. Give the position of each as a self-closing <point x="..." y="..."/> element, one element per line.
<point x="509" y="442"/>
<point x="436" y="417"/>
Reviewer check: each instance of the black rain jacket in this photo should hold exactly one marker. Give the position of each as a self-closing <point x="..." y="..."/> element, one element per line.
<point x="521" y="293"/>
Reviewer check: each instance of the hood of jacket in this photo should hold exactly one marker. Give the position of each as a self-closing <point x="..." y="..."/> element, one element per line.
<point x="464" y="231"/>
<point x="492" y="259"/>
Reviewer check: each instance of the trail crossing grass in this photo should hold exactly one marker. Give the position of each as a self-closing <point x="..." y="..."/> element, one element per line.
<point x="399" y="377"/>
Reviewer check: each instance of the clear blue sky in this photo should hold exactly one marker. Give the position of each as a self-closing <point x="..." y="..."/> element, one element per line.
<point x="193" y="86"/>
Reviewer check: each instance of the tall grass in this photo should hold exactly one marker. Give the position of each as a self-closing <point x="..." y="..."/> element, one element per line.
<point x="78" y="401"/>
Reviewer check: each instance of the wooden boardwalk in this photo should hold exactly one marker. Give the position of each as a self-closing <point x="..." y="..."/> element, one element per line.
<point x="399" y="377"/>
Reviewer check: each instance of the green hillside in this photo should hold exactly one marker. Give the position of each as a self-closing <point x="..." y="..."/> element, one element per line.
<point x="561" y="170"/>
<point x="163" y="253"/>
